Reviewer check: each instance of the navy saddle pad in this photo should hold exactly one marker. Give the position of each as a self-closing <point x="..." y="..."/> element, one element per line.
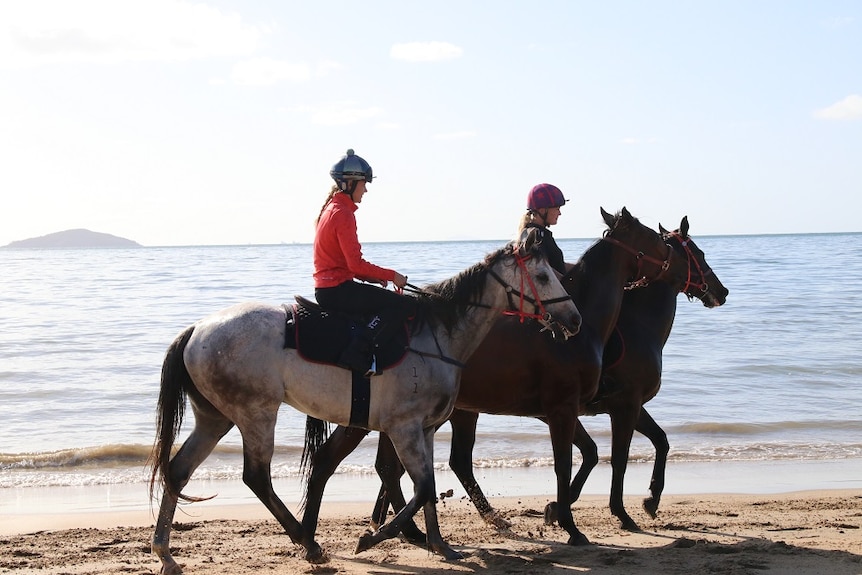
<point x="320" y="335"/>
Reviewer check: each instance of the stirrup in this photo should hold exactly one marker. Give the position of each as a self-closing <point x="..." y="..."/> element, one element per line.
<point x="373" y="370"/>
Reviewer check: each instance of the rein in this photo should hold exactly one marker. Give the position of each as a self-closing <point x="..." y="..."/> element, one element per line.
<point x="643" y="280"/>
<point x="540" y="314"/>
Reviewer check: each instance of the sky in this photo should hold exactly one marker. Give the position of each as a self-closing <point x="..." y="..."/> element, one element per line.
<point x="216" y="123"/>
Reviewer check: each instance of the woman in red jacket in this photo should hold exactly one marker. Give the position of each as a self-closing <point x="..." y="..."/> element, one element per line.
<point x="338" y="263"/>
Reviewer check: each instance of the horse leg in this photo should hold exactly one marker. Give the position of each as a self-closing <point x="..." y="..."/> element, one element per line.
<point x="208" y="430"/>
<point x="461" y="461"/>
<point x="418" y="461"/>
<point x="589" y="459"/>
<point x="381" y="504"/>
<point x="328" y="456"/>
<point x="390" y="470"/>
<point x="647" y="426"/>
<point x="432" y="525"/>
<point x="258" y="446"/>
<point x="562" y="427"/>
<point x="622" y="429"/>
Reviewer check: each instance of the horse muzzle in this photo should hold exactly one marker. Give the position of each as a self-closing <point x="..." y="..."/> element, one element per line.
<point x="559" y="330"/>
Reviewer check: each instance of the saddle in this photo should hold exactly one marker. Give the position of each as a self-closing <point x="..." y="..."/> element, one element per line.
<point x="320" y="335"/>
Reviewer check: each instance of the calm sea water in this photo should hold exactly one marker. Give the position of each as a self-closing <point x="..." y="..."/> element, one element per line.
<point x="773" y="376"/>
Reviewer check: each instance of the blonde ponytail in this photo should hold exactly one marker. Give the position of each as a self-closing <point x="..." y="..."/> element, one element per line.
<point x="331" y="195"/>
<point x="527" y="218"/>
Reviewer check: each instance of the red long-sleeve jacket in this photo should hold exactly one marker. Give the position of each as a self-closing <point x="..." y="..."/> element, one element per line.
<point x="337" y="253"/>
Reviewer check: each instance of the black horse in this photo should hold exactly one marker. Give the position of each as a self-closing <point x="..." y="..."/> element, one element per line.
<point x="644" y="325"/>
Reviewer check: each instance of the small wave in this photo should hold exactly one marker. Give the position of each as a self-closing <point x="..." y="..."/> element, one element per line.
<point x="752" y="428"/>
<point x="109" y="456"/>
<point x="113" y="455"/>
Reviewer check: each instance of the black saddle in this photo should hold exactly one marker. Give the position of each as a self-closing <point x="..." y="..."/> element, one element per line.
<point x="320" y="335"/>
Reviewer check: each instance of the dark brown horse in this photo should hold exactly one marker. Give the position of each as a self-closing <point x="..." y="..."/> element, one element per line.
<point x="517" y="372"/>
<point x="643" y="327"/>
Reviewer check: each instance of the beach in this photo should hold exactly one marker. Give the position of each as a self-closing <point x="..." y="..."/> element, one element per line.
<point x="760" y="420"/>
<point x="803" y="533"/>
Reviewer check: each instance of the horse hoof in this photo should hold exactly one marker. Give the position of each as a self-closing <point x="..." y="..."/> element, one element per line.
<point x="494" y="518"/>
<point x="317" y="556"/>
<point x="551" y="513"/>
<point x="365" y="543"/>
<point x="578" y="539"/>
<point x="628" y="524"/>
<point x="454" y="556"/>
<point x="170" y="567"/>
<point x="651" y="507"/>
<point x="414" y="536"/>
<point x="449" y="554"/>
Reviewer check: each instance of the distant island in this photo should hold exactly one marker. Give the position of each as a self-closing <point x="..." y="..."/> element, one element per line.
<point x="79" y="238"/>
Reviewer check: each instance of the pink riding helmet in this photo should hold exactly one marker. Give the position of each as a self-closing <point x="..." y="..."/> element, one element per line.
<point x="545" y="196"/>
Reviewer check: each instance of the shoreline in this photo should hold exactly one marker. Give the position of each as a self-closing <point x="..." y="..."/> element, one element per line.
<point x="29" y="509"/>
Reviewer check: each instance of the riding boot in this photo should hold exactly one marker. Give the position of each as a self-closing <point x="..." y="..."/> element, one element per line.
<point x="375" y="329"/>
<point x="357" y="355"/>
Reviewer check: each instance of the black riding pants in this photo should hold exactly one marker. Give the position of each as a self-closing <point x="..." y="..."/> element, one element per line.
<point x="355" y="297"/>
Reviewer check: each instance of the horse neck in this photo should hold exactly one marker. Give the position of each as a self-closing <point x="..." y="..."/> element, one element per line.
<point x="461" y="342"/>
<point x="600" y="287"/>
<point x="653" y="308"/>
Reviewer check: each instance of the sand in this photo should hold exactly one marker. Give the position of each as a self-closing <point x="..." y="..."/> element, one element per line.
<point x="803" y="533"/>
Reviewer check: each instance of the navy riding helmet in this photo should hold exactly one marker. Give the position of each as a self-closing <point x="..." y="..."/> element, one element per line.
<point x="350" y="168"/>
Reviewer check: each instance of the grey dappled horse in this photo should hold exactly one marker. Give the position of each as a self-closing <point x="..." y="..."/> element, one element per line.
<point x="234" y="369"/>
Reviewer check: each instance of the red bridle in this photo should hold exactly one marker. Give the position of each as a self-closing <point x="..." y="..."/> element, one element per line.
<point x="703" y="286"/>
<point x="540" y="314"/>
<point x="641" y="257"/>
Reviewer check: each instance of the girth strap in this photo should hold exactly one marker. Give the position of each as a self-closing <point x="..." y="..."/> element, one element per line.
<point x="360" y="400"/>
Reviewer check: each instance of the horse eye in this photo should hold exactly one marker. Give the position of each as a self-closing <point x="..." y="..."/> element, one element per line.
<point x="542" y="277"/>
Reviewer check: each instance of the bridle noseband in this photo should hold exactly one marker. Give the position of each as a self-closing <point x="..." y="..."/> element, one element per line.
<point x="539" y="314"/>
<point x="641" y="257"/>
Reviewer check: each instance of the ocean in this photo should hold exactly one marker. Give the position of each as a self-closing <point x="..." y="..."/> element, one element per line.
<point x="759" y="395"/>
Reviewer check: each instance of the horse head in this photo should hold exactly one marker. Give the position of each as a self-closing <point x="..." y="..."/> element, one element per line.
<point x="701" y="283"/>
<point x="538" y="285"/>
<point x="530" y="290"/>
<point x="652" y="258"/>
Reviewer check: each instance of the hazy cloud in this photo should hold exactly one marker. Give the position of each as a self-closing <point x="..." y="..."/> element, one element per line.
<point x="36" y="32"/>
<point x="388" y="126"/>
<point x="267" y="72"/>
<point x="425" y="51"/>
<point x="838" y="22"/>
<point x="462" y="135"/>
<point x="850" y="108"/>
<point x="635" y="141"/>
<point x="338" y="113"/>
<point x="325" y="67"/>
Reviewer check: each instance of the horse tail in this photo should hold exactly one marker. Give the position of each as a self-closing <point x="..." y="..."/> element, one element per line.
<point x="169" y="413"/>
<point x="316" y="433"/>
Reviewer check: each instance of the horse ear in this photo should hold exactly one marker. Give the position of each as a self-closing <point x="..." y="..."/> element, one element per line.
<point x="625" y="213"/>
<point x="683" y="227"/>
<point x="609" y="219"/>
<point x="661" y="230"/>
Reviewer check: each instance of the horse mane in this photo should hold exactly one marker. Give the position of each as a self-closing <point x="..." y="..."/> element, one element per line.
<point x="447" y="301"/>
